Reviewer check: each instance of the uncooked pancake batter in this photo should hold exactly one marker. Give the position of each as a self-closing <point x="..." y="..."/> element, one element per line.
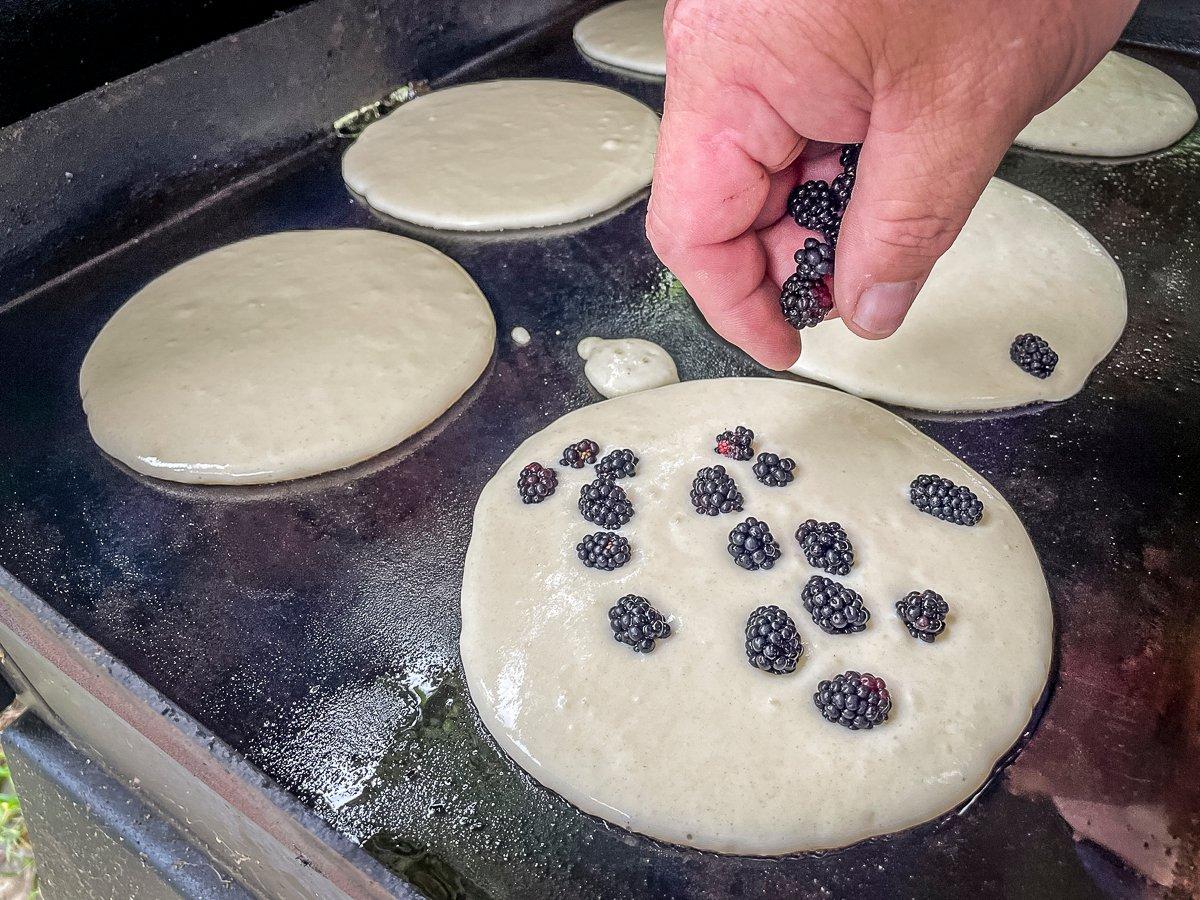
<point x="689" y="743"/>
<point x="1019" y="266"/>
<point x="514" y="153"/>
<point x="1122" y="108"/>
<point x="283" y="356"/>
<point x="626" y="365"/>
<point x="628" y="35"/>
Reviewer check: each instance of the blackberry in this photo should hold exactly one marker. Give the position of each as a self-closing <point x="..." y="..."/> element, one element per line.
<point x="814" y="260"/>
<point x="580" y="454"/>
<point x="1034" y="355"/>
<point x="736" y="444"/>
<point x="752" y="546"/>
<point x="841" y="188"/>
<point x="849" y="158"/>
<point x="636" y="623"/>
<point x="603" y="550"/>
<point x="826" y="546"/>
<point x="772" y="642"/>
<point x="942" y="498"/>
<point x="714" y="492"/>
<point x="853" y="700"/>
<point x="617" y="464"/>
<point x="536" y="483"/>
<point x="813" y="206"/>
<point x="834" y="607"/>
<point x="923" y="614"/>
<point x="774" y="471"/>
<point x="804" y="303"/>
<point x="605" y="503"/>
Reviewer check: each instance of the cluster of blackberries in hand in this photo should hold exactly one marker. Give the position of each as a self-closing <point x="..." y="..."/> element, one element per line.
<point x="818" y="206"/>
<point x="805" y="303"/>
<point x="806" y="299"/>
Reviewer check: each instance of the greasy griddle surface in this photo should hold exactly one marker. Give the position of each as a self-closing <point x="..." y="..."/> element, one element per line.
<point x="313" y="626"/>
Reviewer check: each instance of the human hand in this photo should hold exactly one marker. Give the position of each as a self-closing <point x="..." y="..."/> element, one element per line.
<point x="758" y="91"/>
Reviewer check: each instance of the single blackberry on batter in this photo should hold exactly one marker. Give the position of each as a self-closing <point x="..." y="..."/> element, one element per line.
<point x="605" y="550"/>
<point x="536" y="483"/>
<point x="772" y="642"/>
<point x="735" y="444"/>
<point x="580" y="454"/>
<point x="942" y="498"/>
<point x="849" y="158"/>
<point x="605" y="503"/>
<point x="636" y="623"/>
<point x="814" y="260"/>
<point x="834" y="607"/>
<point x="923" y="614"/>
<point x="773" y="470"/>
<point x="752" y="546"/>
<point x="804" y="303"/>
<point x="1034" y="355"/>
<point x="853" y="700"/>
<point x="813" y="206"/>
<point x="715" y="492"/>
<point x="826" y="546"/>
<point x="617" y="464"/>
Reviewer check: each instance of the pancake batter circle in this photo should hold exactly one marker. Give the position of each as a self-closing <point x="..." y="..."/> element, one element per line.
<point x="283" y="356"/>
<point x="690" y="744"/>
<point x="1124" y="107"/>
<point x="627" y="35"/>
<point x="513" y="153"/>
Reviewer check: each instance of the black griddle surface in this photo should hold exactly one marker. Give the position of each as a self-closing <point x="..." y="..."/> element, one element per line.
<point x="313" y="626"/>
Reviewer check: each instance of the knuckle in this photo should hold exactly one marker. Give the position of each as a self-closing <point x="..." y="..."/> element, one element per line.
<point x="683" y="30"/>
<point x="918" y="231"/>
<point x="694" y="24"/>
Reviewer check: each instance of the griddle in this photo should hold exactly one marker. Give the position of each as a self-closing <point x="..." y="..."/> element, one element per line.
<point x="311" y="628"/>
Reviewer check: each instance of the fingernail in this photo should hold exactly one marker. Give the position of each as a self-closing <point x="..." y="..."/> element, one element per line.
<point x="881" y="307"/>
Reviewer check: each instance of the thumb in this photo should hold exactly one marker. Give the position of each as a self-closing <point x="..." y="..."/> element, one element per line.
<point x="915" y="187"/>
